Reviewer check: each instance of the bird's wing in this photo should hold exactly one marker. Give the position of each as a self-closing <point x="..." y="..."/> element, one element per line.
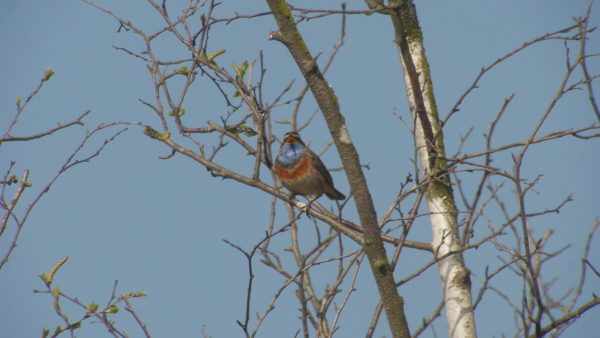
<point x="320" y="167"/>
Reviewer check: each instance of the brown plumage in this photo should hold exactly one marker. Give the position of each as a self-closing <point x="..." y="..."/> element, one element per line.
<point x="301" y="171"/>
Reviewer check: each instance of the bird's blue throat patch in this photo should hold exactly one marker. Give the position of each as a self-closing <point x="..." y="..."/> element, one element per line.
<point x="290" y="154"/>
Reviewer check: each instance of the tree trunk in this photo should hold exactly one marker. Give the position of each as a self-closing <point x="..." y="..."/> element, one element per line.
<point x="454" y="274"/>
<point x="289" y="35"/>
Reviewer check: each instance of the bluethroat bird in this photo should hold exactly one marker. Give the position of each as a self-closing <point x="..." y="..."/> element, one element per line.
<point x="301" y="171"/>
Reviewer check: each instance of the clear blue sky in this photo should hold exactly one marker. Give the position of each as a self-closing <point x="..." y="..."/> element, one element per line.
<point x="157" y="226"/>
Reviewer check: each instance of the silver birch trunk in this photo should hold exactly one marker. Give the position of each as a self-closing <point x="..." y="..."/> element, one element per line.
<point x="454" y="275"/>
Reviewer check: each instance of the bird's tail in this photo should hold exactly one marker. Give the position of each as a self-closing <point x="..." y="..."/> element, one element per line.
<point x="334" y="194"/>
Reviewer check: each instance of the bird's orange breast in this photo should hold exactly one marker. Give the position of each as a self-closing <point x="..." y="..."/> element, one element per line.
<point x="295" y="172"/>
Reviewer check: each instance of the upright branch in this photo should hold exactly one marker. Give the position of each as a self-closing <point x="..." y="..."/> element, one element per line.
<point x="289" y="35"/>
<point x="454" y="274"/>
